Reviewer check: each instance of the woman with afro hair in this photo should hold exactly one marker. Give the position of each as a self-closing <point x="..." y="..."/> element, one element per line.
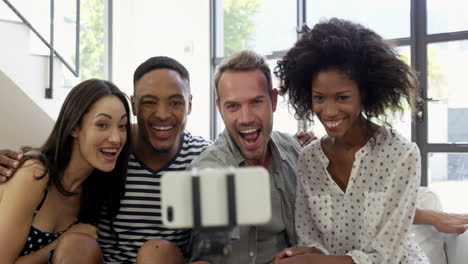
<point x="357" y="185"/>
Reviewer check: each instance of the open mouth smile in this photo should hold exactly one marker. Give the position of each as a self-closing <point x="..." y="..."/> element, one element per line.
<point x="162" y="132"/>
<point x="250" y="137"/>
<point x="333" y="124"/>
<point x="109" y="153"/>
<point x="162" y="128"/>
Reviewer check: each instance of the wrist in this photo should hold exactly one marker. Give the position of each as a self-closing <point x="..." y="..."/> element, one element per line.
<point x="314" y="250"/>
<point x="348" y="260"/>
<point x="426" y="217"/>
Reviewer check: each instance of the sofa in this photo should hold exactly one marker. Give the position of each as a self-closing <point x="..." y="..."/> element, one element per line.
<point x="440" y="248"/>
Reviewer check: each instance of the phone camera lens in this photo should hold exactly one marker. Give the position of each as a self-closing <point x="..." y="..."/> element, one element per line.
<point x="170" y="213"/>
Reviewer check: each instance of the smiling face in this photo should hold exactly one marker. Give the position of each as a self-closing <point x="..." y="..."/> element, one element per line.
<point x="101" y="134"/>
<point x="247" y="110"/>
<point x="161" y="103"/>
<point x="336" y="100"/>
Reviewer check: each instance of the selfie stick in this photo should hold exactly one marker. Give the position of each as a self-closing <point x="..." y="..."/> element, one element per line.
<point x="214" y="240"/>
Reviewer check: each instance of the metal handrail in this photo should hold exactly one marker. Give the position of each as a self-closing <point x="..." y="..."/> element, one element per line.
<point x="53" y="51"/>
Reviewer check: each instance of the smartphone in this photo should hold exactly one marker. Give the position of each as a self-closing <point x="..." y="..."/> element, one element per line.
<point x="216" y="197"/>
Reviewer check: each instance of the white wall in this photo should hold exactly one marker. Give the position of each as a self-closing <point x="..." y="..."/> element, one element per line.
<point x="26" y="116"/>
<point x="178" y="29"/>
<point x="22" y="121"/>
<point x="29" y="72"/>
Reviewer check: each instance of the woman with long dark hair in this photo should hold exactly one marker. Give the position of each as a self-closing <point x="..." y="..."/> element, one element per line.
<point x="357" y="186"/>
<point x="76" y="177"/>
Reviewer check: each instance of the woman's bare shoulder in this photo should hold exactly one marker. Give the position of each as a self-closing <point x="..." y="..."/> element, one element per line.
<point x="32" y="170"/>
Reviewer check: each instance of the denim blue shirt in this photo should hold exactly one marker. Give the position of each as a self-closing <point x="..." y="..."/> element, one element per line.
<point x="283" y="172"/>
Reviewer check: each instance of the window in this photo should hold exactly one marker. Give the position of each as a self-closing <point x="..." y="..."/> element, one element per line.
<point x="446" y="16"/>
<point x="447" y="92"/>
<point x="369" y="13"/>
<point x="262" y="25"/>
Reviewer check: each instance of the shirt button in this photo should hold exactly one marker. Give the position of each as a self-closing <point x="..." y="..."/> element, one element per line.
<point x="251" y="253"/>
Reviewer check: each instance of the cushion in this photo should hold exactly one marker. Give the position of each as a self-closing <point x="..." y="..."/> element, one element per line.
<point x="457" y="248"/>
<point x="427" y="237"/>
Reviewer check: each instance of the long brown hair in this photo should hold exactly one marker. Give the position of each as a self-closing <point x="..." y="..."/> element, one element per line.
<point x="101" y="190"/>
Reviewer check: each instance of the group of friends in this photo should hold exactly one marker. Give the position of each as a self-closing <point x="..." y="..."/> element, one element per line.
<point x="91" y="192"/>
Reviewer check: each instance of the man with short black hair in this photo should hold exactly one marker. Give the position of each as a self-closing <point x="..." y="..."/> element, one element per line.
<point x="161" y="102"/>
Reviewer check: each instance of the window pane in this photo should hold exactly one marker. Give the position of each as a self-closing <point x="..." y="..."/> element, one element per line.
<point x="65" y="30"/>
<point x="447" y="87"/>
<point x="219" y="123"/>
<point x="401" y="121"/>
<point x="446" y="16"/>
<point x="448" y="177"/>
<point x="261" y="25"/>
<point x="370" y="13"/>
<point x="283" y="117"/>
<point x="92" y="39"/>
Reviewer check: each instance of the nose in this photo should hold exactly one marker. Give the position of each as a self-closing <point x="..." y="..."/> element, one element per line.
<point x="115" y="135"/>
<point x="162" y="111"/>
<point x="329" y="108"/>
<point x="246" y="115"/>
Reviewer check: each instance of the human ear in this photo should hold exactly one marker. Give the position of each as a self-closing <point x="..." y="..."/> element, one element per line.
<point x="132" y="102"/>
<point x="274" y="99"/>
<point x="189" y="104"/>
<point x="74" y="132"/>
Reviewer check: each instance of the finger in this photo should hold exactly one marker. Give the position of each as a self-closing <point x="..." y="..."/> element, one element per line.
<point x="465" y="219"/>
<point x="310" y="140"/>
<point x="280" y="256"/>
<point x="295" y="251"/>
<point x="300" y="134"/>
<point x="7" y="161"/>
<point x="5" y="172"/>
<point x="3" y="179"/>
<point x="14" y="154"/>
<point x="461" y="229"/>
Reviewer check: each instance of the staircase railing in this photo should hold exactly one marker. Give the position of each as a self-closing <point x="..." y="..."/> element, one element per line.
<point x="50" y="44"/>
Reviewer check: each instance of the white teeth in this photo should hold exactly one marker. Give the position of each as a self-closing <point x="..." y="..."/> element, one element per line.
<point x="333" y="124"/>
<point x="111" y="151"/>
<point x="248" y="130"/>
<point x="162" y="127"/>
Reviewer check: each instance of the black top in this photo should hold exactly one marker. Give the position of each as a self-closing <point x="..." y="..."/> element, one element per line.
<point x="38" y="239"/>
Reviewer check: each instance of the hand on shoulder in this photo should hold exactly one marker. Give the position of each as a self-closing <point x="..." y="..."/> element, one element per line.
<point x="30" y="177"/>
<point x="9" y="161"/>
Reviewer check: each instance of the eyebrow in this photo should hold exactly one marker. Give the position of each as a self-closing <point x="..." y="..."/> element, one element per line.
<point x="338" y="93"/>
<point x="176" y="96"/>
<point x="109" y="116"/>
<point x="148" y="96"/>
<point x="255" y="98"/>
<point x="229" y="102"/>
<point x="258" y="97"/>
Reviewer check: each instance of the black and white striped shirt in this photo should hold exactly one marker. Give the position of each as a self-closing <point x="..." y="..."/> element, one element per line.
<point x="139" y="217"/>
